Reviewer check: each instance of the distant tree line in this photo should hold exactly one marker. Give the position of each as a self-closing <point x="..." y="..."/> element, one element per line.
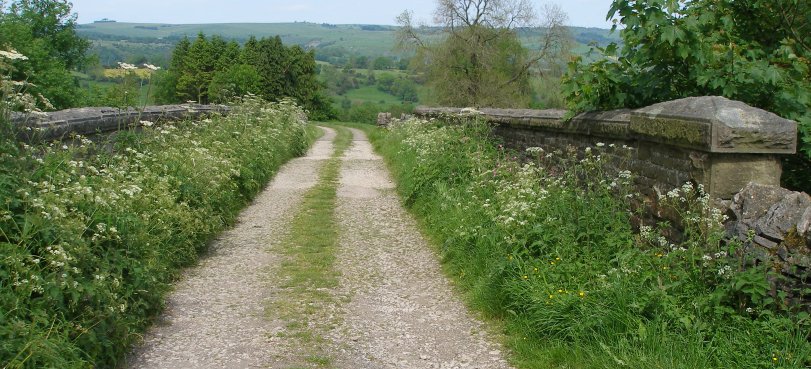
<point x="213" y="70"/>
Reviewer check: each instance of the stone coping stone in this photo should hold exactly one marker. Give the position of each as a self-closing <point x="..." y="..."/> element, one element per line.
<point x="93" y="120"/>
<point x="708" y="123"/>
<point x="613" y="124"/>
<point x="715" y="124"/>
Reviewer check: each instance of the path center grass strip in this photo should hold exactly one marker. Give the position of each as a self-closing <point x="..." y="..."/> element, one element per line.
<point x="308" y="274"/>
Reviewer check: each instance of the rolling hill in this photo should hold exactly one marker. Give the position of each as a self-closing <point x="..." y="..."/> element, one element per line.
<point x="357" y="39"/>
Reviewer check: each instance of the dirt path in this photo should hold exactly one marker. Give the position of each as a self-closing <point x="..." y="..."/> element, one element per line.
<point x="215" y="318"/>
<point x="402" y="311"/>
<point x="393" y="307"/>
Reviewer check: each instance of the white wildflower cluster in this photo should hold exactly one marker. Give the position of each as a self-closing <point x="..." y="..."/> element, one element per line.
<point x="725" y="272"/>
<point x="151" y="67"/>
<point x="58" y="258"/>
<point x="702" y="226"/>
<point x="656" y="239"/>
<point x="126" y="66"/>
<point x="74" y="193"/>
<point x="699" y="216"/>
<point x="520" y="197"/>
<point x="12" y="54"/>
<point x="14" y="95"/>
<point x="470" y="111"/>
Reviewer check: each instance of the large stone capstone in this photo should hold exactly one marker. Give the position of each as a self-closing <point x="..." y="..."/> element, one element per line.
<point x="716" y="124"/>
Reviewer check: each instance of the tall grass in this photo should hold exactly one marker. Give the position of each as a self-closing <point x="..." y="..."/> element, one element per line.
<point x="91" y="236"/>
<point x="547" y="245"/>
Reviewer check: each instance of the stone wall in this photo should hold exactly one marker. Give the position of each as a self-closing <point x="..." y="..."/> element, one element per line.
<point x="91" y="121"/>
<point x="720" y="143"/>
<point x="732" y="149"/>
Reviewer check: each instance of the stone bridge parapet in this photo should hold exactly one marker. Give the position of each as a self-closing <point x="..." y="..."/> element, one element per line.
<point x="99" y="120"/>
<point x="720" y="143"/>
<point x="732" y="149"/>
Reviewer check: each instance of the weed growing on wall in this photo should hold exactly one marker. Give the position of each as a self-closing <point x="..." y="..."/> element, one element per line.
<point x="547" y="245"/>
<point x="91" y="235"/>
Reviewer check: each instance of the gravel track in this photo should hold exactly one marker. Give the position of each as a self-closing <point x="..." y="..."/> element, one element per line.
<point x="393" y="308"/>
<point x="403" y="312"/>
<point x="215" y="317"/>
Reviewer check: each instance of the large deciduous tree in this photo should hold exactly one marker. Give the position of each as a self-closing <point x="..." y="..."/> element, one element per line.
<point x="477" y="58"/>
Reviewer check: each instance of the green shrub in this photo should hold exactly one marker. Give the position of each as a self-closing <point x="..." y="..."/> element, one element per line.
<point x="547" y="245"/>
<point x="90" y="237"/>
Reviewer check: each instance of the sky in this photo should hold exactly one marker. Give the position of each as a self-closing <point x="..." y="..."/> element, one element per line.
<point x="583" y="13"/>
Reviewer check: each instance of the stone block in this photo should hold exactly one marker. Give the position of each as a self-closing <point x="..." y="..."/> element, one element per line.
<point x="715" y="124"/>
<point x="754" y="201"/>
<point x="728" y="174"/>
<point x="784" y="215"/>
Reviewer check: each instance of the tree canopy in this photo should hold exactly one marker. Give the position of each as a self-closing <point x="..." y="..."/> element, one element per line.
<point x="479" y="60"/>
<point x="215" y="70"/>
<point x="756" y="51"/>
<point x="45" y="32"/>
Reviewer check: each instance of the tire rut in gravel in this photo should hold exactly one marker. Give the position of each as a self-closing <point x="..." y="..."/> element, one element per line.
<point x="401" y="311"/>
<point x="215" y="317"/>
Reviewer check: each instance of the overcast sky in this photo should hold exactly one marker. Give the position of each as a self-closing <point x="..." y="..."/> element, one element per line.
<point x="586" y="13"/>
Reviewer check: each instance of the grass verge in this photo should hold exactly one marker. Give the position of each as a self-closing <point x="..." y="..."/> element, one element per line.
<point x="92" y="235"/>
<point x="547" y="247"/>
<point x="307" y="273"/>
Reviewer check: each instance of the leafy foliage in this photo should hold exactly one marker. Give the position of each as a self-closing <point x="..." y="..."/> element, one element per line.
<point x="92" y="235"/>
<point x="44" y="31"/>
<point x="479" y="59"/>
<point x="404" y="88"/>
<point x="213" y="69"/>
<point x="757" y="51"/>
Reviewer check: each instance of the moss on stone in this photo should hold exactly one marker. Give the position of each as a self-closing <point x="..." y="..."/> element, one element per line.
<point x="673" y="129"/>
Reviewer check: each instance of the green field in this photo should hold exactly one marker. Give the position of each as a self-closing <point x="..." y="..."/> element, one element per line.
<point x="310" y="35"/>
<point x="353" y="38"/>
<point x="371" y="94"/>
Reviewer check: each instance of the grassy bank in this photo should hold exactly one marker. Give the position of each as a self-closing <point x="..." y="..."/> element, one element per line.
<point x="548" y="248"/>
<point x="90" y="238"/>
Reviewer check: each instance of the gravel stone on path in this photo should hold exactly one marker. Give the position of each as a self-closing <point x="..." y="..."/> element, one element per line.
<point x="215" y="317"/>
<point x="402" y="312"/>
<point x="393" y="307"/>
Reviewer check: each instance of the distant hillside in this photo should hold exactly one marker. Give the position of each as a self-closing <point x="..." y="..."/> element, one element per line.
<point x="369" y="40"/>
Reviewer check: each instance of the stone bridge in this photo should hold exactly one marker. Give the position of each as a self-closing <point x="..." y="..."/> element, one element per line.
<point x="732" y="149"/>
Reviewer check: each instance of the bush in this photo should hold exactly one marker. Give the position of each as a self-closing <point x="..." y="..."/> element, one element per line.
<point x="91" y="240"/>
<point x="547" y="245"/>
